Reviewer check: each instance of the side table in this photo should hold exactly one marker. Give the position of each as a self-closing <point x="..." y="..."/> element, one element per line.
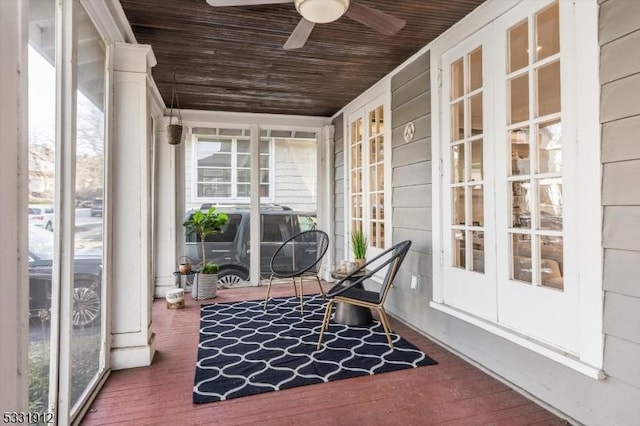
<point x="184" y="281"/>
<point x="347" y="313"/>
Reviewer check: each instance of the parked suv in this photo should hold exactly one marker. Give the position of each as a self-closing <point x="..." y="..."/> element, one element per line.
<point x="230" y="248"/>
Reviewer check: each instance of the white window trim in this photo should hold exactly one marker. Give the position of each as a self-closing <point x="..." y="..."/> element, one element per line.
<point x="234" y="182"/>
<point x="585" y="112"/>
<point x="380" y="94"/>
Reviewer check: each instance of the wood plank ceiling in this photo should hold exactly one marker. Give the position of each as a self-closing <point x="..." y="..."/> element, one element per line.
<point x="231" y="58"/>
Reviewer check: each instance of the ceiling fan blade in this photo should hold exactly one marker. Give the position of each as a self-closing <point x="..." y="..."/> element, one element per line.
<point x="300" y="34"/>
<point x="374" y="18"/>
<point x="221" y="3"/>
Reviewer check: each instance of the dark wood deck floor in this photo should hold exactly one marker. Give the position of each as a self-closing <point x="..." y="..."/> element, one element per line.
<point x="452" y="392"/>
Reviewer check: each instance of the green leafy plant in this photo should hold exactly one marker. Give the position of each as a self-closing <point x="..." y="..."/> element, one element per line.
<point x="359" y="244"/>
<point x="205" y="224"/>
<point x="209" y="268"/>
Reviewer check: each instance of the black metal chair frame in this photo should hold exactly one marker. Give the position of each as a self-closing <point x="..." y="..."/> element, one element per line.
<point x="309" y="271"/>
<point x="343" y="290"/>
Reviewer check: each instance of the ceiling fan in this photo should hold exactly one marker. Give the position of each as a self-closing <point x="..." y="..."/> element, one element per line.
<point x="322" y="11"/>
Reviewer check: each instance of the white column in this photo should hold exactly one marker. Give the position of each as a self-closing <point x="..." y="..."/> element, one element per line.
<point x="131" y="282"/>
<point x="254" y="233"/>
<point x="325" y="203"/>
<point x="14" y="285"/>
<point x="169" y="209"/>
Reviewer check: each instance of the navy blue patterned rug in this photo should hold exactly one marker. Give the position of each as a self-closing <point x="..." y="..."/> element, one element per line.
<point x="245" y="350"/>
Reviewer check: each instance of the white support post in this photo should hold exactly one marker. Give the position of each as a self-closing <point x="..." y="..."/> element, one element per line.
<point x="169" y="209"/>
<point x="254" y="270"/>
<point x="14" y="285"/>
<point x="133" y="339"/>
<point x="325" y="194"/>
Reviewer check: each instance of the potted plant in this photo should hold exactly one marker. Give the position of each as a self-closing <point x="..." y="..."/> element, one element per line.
<point x="204" y="224"/>
<point x="359" y="245"/>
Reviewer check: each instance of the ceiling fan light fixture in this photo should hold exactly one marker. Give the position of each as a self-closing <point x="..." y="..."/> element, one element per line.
<point x="321" y="11"/>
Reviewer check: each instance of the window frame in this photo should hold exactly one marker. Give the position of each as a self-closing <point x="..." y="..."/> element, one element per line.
<point x="579" y="26"/>
<point x="234" y="183"/>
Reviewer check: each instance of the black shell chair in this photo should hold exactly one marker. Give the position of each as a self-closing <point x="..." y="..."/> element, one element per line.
<point x="350" y="289"/>
<point x="299" y="257"/>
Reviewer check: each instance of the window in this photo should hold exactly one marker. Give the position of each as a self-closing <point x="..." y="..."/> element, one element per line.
<point x="511" y="175"/>
<point x="67" y="321"/>
<point x="367" y="152"/>
<point x="223" y="168"/>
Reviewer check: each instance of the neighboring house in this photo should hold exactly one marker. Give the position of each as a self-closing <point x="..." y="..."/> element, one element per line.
<point x="513" y="147"/>
<point x="220" y="173"/>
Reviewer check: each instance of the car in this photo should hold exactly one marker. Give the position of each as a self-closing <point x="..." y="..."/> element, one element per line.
<point x="87" y="277"/>
<point x="230" y="248"/>
<point x="41" y="215"/>
<point x="96" y="207"/>
<point x="84" y="204"/>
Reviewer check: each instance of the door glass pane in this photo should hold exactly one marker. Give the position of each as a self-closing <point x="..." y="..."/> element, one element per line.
<point x="380" y="111"/>
<point x="550" y="204"/>
<point x="380" y="179"/>
<point x="373" y="237"/>
<point x="551" y="262"/>
<point x="458" y="206"/>
<point x="550" y="147"/>
<point x="356" y="182"/>
<point x="478" y="251"/>
<point x="457" y="163"/>
<point x="380" y="148"/>
<point x="477" y="205"/>
<point x="519" y="99"/>
<point x="548" y="89"/>
<point x="373" y="124"/>
<point x="520" y="161"/>
<point x="521" y="204"/>
<point x="521" y="258"/>
<point x="548" y="32"/>
<point x="475" y="116"/>
<point x="457" y="79"/>
<point x="459" y="253"/>
<point x="457" y="121"/>
<point x="518" y="46"/>
<point x="476" y="160"/>
<point x="475" y="70"/>
<point x="86" y="307"/>
<point x="41" y="163"/>
<point x="372" y="151"/>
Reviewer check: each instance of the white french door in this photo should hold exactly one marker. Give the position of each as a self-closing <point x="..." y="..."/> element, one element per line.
<point x="368" y="154"/>
<point x="468" y="230"/>
<point x="537" y="289"/>
<point x="508" y="181"/>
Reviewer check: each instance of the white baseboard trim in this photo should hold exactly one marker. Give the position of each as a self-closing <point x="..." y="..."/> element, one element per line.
<point x="133" y="356"/>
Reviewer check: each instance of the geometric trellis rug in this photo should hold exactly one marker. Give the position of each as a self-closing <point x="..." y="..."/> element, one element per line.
<point x="245" y="350"/>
